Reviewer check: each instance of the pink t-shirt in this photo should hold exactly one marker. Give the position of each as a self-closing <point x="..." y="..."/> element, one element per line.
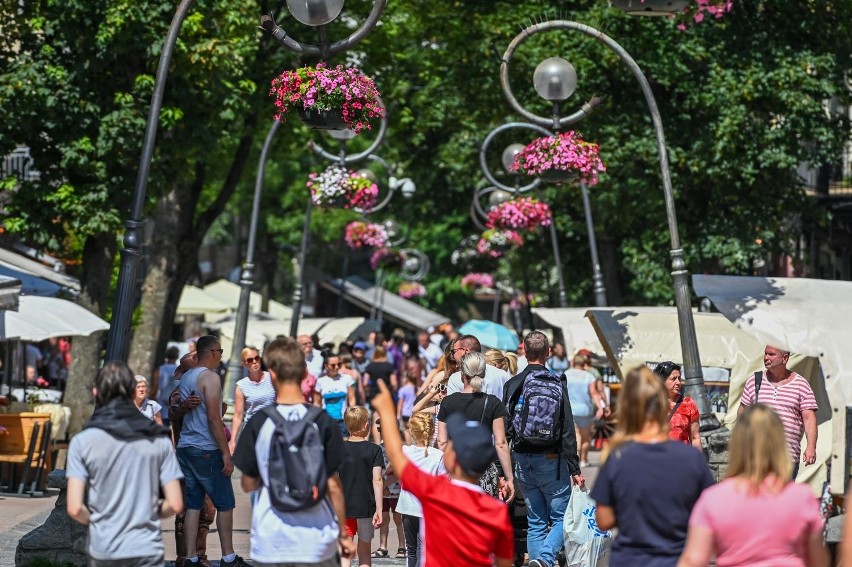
<point x="761" y="529"/>
<point x="788" y="401"/>
<point x="309" y="386"/>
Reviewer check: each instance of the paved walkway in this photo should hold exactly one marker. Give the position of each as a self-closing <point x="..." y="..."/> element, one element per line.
<point x="18" y="516"/>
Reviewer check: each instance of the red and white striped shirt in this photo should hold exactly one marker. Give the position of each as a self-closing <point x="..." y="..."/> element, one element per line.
<point x="788" y="401"/>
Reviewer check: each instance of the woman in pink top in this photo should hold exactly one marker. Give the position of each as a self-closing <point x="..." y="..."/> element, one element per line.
<point x="756" y="517"/>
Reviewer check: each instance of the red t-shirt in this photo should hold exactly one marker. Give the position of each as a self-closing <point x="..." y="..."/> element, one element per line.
<point x="686" y="414"/>
<point x="462" y="525"/>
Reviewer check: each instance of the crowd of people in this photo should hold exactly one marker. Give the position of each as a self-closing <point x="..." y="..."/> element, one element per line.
<point x="325" y="438"/>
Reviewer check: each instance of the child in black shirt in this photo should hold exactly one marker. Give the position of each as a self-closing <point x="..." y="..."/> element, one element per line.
<point x="361" y="475"/>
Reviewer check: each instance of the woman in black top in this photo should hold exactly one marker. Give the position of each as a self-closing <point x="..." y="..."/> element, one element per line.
<point x="378" y="369"/>
<point x="489" y="411"/>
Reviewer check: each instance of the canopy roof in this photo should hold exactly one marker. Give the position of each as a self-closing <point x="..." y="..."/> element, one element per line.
<point x="229" y="293"/>
<point x="394" y="308"/>
<point x="196" y="301"/>
<point x="577" y="331"/>
<point x="40" y="318"/>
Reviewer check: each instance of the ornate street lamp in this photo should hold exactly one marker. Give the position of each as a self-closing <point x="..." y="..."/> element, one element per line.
<point x="313" y="12"/>
<point x="694" y="383"/>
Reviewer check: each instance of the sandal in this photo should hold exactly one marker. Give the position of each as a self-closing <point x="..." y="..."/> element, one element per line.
<point x="379" y="553"/>
<point x="400" y="553"/>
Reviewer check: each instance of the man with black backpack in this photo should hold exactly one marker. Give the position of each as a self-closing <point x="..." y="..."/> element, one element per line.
<point x="544" y="447"/>
<point x="291" y="452"/>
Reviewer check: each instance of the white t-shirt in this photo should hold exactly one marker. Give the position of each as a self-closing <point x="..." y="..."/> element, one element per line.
<point x="306" y="536"/>
<point x="493" y="383"/>
<point x="315" y="363"/>
<point x="335" y="394"/>
<point x="432" y="463"/>
<point x="150" y="408"/>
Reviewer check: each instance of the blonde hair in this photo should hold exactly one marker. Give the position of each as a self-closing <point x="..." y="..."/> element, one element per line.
<point x="511" y="363"/>
<point x="355" y="418"/>
<point x="245" y="352"/>
<point x="496" y="358"/>
<point x="473" y="369"/>
<point x="421" y="425"/>
<point x="446" y="363"/>
<point x="642" y="400"/>
<point x="758" y="448"/>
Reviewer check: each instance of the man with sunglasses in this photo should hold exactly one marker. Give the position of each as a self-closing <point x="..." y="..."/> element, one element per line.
<point x="495" y="378"/>
<point x="203" y="453"/>
<point x="337" y="391"/>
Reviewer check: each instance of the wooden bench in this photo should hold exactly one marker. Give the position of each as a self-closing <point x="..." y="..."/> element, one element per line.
<point x="25" y="444"/>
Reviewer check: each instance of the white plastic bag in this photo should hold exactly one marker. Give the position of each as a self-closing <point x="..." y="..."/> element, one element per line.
<point x="585" y="544"/>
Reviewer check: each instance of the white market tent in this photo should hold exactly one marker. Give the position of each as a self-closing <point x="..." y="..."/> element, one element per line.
<point x="805" y="316"/>
<point x="229" y="293"/>
<point x="263" y="327"/>
<point x="195" y="301"/>
<point x="40" y="318"/>
<point x="577" y="330"/>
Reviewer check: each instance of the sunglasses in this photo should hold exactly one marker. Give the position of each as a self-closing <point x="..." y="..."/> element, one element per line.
<point x="252" y="359"/>
<point x="665" y="368"/>
<point x="336" y="365"/>
<point x="219" y="350"/>
<point x="441" y="387"/>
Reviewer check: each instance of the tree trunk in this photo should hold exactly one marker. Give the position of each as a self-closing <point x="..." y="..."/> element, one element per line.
<point x="98" y="254"/>
<point x="173" y="255"/>
<point x="610" y="259"/>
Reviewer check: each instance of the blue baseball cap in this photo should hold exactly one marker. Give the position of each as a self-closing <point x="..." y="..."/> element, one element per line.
<point x="472" y="444"/>
<point x="359" y="346"/>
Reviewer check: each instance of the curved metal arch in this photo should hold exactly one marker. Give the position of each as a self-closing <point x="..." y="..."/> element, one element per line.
<point x="422" y="269"/>
<point x="354" y="158"/>
<point x="391" y="190"/>
<point x="477" y="206"/>
<point x="267" y="24"/>
<point x="553" y="122"/>
<point x="483" y="151"/>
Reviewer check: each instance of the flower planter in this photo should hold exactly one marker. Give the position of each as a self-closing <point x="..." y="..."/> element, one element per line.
<point x="650" y="7"/>
<point x="349" y="98"/>
<point x="559" y="177"/>
<point x="521" y="213"/>
<point x="560" y="158"/>
<point x="323" y="119"/>
<point x="338" y="187"/>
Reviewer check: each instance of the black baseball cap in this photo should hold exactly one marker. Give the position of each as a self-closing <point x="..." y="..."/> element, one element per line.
<point x="472" y="443"/>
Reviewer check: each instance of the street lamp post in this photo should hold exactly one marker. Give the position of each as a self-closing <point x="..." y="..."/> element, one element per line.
<point x="694" y="383"/>
<point x="316" y="13"/>
<point x="312" y="12"/>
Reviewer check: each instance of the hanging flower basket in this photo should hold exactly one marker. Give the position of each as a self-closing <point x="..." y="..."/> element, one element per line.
<point x="360" y="234"/>
<point x="476" y="281"/>
<point x="411" y="290"/>
<point x="341" y="187"/>
<point x="682" y="11"/>
<point x="565" y="156"/>
<point x="495" y="243"/>
<point x="521" y="213"/>
<point x="328" y="98"/>
<point x="387" y="259"/>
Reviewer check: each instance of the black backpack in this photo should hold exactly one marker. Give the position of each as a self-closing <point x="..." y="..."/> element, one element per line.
<point x="296" y="470"/>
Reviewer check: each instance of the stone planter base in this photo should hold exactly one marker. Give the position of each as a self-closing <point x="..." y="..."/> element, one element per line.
<point x="60" y="539"/>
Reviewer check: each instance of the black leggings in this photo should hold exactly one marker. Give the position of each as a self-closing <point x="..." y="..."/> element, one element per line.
<point x="413" y="546"/>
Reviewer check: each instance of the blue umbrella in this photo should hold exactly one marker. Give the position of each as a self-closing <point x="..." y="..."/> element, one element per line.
<point x="491" y="334"/>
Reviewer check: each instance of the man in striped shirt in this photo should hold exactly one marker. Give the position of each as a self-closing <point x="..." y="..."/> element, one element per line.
<point x="792" y="398"/>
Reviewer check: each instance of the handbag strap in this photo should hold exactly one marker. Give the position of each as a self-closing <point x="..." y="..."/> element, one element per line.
<point x="484" y="407"/>
<point x="677" y="405"/>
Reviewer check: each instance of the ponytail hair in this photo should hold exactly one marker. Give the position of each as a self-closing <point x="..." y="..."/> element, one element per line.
<point x="473" y="370"/>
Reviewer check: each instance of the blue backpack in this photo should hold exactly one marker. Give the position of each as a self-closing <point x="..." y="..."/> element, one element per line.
<point x="537" y="416"/>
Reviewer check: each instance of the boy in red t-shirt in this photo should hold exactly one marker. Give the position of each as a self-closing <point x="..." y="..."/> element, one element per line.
<point x="462" y="525"/>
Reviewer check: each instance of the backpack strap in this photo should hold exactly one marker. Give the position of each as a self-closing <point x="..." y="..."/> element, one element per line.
<point x="758" y="380"/>
<point x="484" y="407"/>
<point x="272" y="411"/>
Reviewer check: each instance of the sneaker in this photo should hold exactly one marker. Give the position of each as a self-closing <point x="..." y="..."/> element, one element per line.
<point x="585" y="464"/>
<point x="537" y="563"/>
<point x="237" y="562"/>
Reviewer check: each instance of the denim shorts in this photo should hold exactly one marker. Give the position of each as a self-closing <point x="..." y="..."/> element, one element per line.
<point x="584" y="420"/>
<point x="203" y="475"/>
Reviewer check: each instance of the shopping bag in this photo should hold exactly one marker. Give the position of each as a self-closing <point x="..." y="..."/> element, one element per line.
<point x="585" y="544"/>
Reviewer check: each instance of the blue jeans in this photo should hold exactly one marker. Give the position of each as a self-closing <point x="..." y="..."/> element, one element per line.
<point x="202" y="471"/>
<point x="546" y="497"/>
